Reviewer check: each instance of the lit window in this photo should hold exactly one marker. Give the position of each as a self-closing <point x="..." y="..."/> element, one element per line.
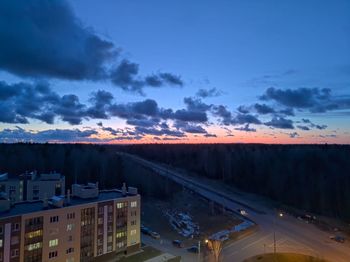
<point x="133" y="204"/>
<point x="1" y="242"/>
<point x="53" y="242"/>
<point x="70" y="227"/>
<point x="133" y="232"/>
<point x="120" y="205"/>
<point x="34" y="246"/>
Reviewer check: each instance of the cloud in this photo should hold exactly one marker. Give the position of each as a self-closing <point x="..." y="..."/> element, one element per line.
<point x="241" y="119"/>
<point x="246" y="128"/>
<point x="126" y="76"/>
<point x="294" y="135"/>
<point x="45" y="39"/>
<point x="280" y="122"/>
<point x="38" y="101"/>
<point x="190" y="128"/>
<point x="53" y="135"/>
<point x="305" y="128"/>
<point x="264" y="109"/>
<point x="243" y="109"/>
<point x="314" y="100"/>
<point x="205" y="93"/>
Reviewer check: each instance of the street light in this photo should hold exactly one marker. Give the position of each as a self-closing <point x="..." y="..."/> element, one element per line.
<point x="274" y="231"/>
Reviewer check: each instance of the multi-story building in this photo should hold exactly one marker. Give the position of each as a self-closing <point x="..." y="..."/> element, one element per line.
<point x="84" y="226"/>
<point x="32" y="186"/>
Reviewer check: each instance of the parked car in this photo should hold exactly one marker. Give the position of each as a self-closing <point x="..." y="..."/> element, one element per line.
<point x="193" y="249"/>
<point x="155" y="235"/>
<point x="178" y="243"/>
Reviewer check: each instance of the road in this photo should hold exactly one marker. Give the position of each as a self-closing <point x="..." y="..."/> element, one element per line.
<point x="292" y="235"/>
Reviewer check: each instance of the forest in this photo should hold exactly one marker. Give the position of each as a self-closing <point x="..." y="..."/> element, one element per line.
<point x="315" y="178"/>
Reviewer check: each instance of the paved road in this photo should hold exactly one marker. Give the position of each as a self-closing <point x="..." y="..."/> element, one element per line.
<point x="292" y="235"/>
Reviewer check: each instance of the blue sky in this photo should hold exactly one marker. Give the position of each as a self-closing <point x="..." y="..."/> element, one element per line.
<point x="237" y="49"/>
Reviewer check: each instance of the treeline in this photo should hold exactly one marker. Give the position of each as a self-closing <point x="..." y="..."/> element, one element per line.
<point x="310" y="177"/>
<point x="83" y="163"/>
<point x="78" y="162"/>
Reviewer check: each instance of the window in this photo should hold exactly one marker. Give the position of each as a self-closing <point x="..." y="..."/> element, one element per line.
<point x="0" y="256"/>
<point x="109" y="239"/>
<point x="100" y="210"/>
<point x="99" y="232"/>
<point x="33" y="234"/>
<point x="99" y="242"/>
<point x="1" y="230"/>
<point x="133" y="232"/>
<point x="120" y="205"/>
<point x="34" y="246"/>
<point x="133" y="222"/>
<point x="133" y="204"/>
<point x="15" y="227"/>
<point x="53" y="242"/>
<point x="70" y="227"/>
<point x="53" y="231"/>
<point x="53" y="254"/>
<point x="120" y="244"/>
<point x="109" y="248"/>
<point x="1" y="242"/>
<point x="120" y="234"/>
<point x="14" y="253"/>
<point x="14" y="240"/>
<point x="99" y="251"/>
<point x="100" y="221"/>
<point x="133" y="213"/>
<point x="70" y="250"/>
<point x="110" y="229"/>
<point x="71" y="215"/>
<point x="54" y="219"/>
<point x="70" y="238"/>
<point x="110" y="209"/>
<point x="71" y="259"/>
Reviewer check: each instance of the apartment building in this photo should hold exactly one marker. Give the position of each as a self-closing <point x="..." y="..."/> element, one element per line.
<point x="32" y="186"/>
<point x="84" y="226"/>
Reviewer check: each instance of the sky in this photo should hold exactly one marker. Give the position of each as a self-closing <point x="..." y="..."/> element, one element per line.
<point x="118" y="71"/>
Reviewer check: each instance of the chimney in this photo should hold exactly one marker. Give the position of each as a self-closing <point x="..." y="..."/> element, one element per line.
<point x="45" y="202"/>
<point x="124" y="189"/>
<point x="68" y="197"/>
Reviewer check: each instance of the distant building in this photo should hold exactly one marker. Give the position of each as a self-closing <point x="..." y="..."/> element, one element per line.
<point x="83" y="227"/>
<point x="32" y="186"/>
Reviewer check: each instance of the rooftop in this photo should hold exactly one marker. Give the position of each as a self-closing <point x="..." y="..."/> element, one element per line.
<point x="37" y="206"/>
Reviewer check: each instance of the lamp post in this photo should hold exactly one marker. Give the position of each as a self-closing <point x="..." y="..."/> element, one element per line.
<point x="199" y="250"/>
<point x="274" y="231"/>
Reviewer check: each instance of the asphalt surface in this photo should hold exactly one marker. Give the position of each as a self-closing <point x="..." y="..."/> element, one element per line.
<point x="291" y="234"/>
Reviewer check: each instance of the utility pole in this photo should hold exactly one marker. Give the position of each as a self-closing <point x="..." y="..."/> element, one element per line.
<point x="199" y="250"/>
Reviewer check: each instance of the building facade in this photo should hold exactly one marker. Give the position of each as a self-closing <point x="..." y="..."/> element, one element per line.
<point x="32" y="186"/>
<point x="80" y="229"/>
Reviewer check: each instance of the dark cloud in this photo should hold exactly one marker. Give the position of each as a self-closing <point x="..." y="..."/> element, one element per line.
<point x="294" y="135"/>
<point x="195" y="104"/>
<point x="264" y="109"/>
<point x="241" y="119"/>
<point x="314" y="100"/>
<point x="209" y="135"/>
<point x="190" y="116"/>
<point x="52" y="135"/>
<point x="223" y="113"/>
<point x="38" y="101"/>
<point x="45" y="38"/>
<point x="287" y="112"/>
<point x="280" y="122"/>
<point x="246" y="128"/>
<point x="212" y="92"/>
<point x="190" y="128"/>
<point x="243" y="109"/>
<point x="126" y="76"/>
<point x="100" y="101"/>
<point x="305" y="128"/>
